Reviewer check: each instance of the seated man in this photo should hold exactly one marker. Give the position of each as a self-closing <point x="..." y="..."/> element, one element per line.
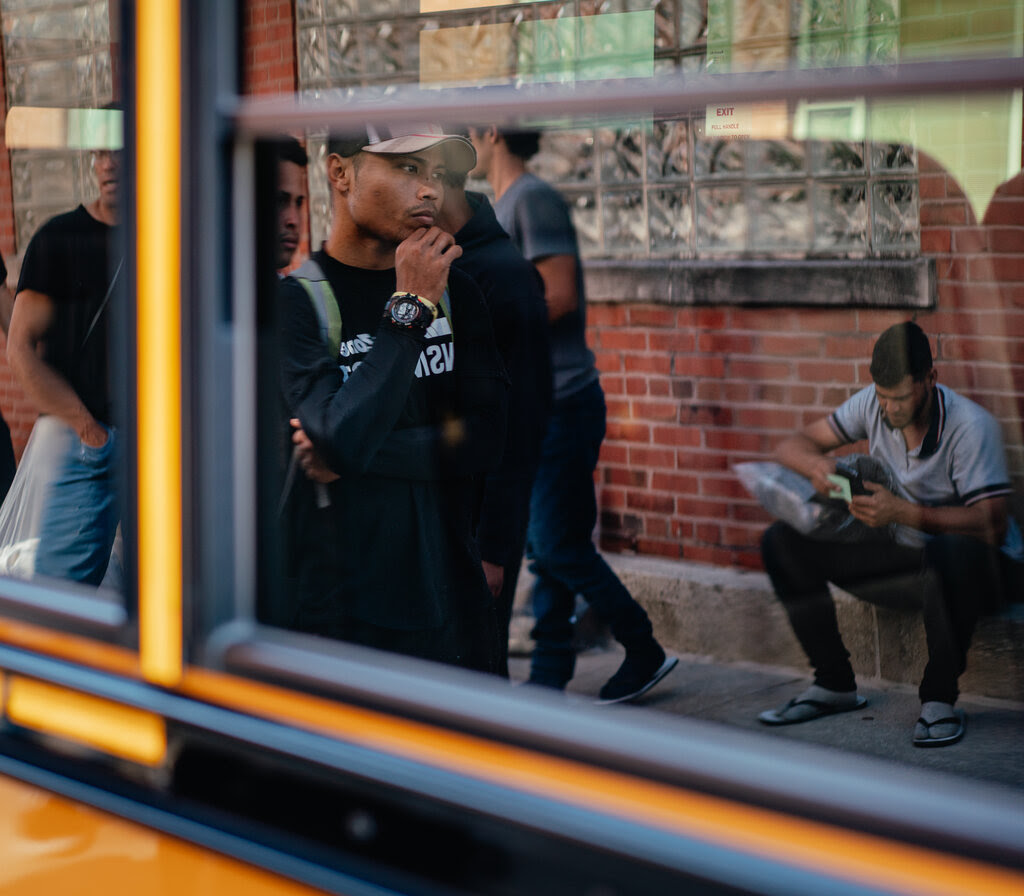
<point x="950" y="518"/>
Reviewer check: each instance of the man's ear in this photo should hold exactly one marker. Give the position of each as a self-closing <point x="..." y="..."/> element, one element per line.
<point x="339" y="172"/>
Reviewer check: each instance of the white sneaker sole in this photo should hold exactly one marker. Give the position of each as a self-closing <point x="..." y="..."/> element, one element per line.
<point x="670" y="663"/>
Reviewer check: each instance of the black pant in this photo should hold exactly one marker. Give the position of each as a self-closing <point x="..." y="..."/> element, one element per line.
<point x="954" y="580"/>
<point x="7" y="465"/>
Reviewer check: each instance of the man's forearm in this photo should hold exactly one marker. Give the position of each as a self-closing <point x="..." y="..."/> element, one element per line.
<point x="983" y="520"/>
<point x="801" y="454"/>
<point x="348" y="425"/>
<point x="52" y="394"/>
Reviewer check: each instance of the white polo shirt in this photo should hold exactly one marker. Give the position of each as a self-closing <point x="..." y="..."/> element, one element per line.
<point x="960" y="461"/>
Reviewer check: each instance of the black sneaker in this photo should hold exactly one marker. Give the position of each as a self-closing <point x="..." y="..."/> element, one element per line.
<point x="640" y="671"/>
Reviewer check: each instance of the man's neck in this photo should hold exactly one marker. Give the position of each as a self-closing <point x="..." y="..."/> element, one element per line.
<point x="103" y="213"/>
<point x="505" y="170"/>
<point x="915" y="432"/>
<point x="359" y="251"/>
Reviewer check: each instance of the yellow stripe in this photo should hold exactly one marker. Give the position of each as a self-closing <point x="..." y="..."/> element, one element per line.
<point x="120" y="730"/>
<point x="819" y="847"/>
<point x="74" y="648"/>
<point x="158" y="144"/>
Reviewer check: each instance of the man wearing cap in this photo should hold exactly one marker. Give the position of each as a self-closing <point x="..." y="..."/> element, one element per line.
<point x="405" y="412"/>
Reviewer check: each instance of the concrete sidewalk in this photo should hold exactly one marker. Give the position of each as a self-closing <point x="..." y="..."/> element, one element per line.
<point x="734" y="693"/>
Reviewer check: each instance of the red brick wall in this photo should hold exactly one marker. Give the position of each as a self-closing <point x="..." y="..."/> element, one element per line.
<point x="17" y="411"/>
<point x="268" y="39"/>
<point x="693" y="391"/>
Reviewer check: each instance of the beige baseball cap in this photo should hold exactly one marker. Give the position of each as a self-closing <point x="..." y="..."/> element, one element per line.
<point x="411" y="138"/>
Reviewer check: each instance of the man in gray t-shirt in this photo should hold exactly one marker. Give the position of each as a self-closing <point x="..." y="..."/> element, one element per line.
<point x="563" y="509"/>
<point x="946" y="540"/>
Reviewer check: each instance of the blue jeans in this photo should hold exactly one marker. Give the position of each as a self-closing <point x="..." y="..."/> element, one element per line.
<point x="79" y="517"/>
<point x="563" y="513"/>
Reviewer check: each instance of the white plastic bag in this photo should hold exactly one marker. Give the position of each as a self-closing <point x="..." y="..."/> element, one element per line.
<point x="790" y="497"/>
<point x="22" y="509"/>
<point x="785" y="494"/>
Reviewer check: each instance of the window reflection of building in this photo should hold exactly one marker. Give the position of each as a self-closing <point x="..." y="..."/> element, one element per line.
<point x="861" y="203"/>
<point x="59" y="57"/>
<point x="56" y="54"/>
<point x="664" y="189"/>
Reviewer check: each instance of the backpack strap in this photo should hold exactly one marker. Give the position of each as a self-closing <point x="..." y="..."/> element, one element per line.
<point x="325" y="304"/>
<point x="315" y="282"/>
<point x="446" y="307"/>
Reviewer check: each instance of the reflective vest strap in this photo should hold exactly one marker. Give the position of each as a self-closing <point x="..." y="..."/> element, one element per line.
<point x="324" y="303"/>
<point x="315" y="282"/>
<point x="446" y="307"/>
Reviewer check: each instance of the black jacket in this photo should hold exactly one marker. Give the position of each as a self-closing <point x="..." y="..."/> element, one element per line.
<point x="514" y="293"/>
<point x="408" y="421"/>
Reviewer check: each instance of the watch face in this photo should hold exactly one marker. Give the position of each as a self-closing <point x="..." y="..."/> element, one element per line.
<point x="405" y="311"/>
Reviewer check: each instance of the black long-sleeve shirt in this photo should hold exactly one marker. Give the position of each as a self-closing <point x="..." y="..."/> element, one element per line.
<point x="408" y="421"/>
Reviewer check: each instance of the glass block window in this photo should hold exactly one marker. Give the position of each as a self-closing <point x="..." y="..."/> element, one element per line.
<point x="661" y="189"/>
<point x="738" y="198"/>
<point x="56" y="54"/>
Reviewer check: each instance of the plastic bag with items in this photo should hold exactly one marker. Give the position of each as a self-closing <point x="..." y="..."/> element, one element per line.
<point x="790" y="497"/>
<point x="23" y="507"/>
<point x="22" y="510"/>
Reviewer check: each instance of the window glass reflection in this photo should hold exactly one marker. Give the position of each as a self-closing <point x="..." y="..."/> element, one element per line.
<point x="736" y="282"/>
<point x="60" y="519"/>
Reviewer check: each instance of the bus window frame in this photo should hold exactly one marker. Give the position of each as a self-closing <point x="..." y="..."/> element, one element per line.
<point x="753" y="769"/>
<point x="67" y="609"/>
<point x="863" y="795"/>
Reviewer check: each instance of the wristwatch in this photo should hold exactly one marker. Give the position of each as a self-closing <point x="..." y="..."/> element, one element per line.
<point x="410" y="311"/>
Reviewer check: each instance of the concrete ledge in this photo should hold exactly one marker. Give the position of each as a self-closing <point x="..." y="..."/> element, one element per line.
<point x="865" y="283"/>
<point x="731" y="616"/>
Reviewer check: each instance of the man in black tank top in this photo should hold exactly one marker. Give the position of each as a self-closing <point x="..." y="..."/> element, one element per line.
<point x="57" y="348"/>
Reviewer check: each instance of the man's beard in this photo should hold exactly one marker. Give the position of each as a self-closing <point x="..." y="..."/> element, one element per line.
<point x="916" y="416"/>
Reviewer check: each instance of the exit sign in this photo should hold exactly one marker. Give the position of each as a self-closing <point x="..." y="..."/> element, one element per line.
<point x="763" y="120"/>
<point x="729" y="120"/>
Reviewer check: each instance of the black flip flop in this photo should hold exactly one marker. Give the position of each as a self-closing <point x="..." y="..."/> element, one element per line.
<point x="818" y="709"/>
<point x="929" y="741"/>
